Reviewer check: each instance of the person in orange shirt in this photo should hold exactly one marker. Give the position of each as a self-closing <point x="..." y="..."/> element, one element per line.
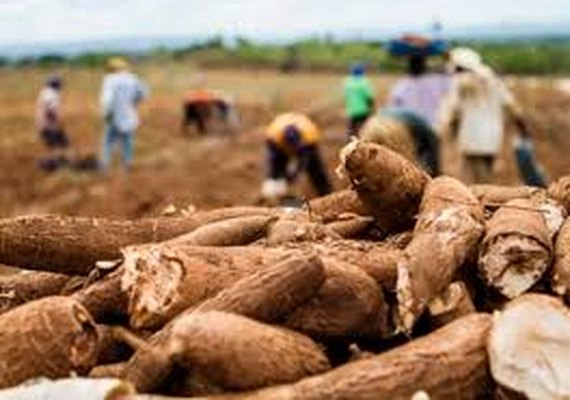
<point x="201" y="106"/>
<point x="292" y="141"/>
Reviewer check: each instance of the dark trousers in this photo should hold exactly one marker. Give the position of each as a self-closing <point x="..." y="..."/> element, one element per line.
<point x="425" y="139"/>
<point x="310" y="160"/>
<point x="200" y="112"/>
<point x="355" y="123"/>
<point x="529" y="170"/>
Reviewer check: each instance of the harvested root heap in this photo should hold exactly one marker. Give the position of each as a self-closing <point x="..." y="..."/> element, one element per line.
<point x="258" y="303"/>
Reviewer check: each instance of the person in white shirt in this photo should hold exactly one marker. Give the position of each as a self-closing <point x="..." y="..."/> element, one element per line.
<point x="121" y="93"/>
<point x="49" y="122"/>
<point x="473" y="113"/>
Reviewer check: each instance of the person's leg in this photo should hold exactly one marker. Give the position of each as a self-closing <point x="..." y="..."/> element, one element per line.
<point x="187" y="117"/>
<point x="486" y="174"/>
<point x="468" y="167"/>
<point x="317" y="173"/>
<point x="355" y="124"/>
<point x="277" y="161"/>
<point x="109" y="137"/>
<point x="202" y="115"/>
<point x="274" y="186"/>
<point x="479" y="169"/>
<point x="127" y="140"/>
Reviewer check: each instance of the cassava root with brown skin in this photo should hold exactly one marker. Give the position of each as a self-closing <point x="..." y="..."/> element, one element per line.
<point x="351" y="227"/>
<point x="517" y="248"/>
<point x="163" y="280"/>
<point x="453" y="303"/>
<point x="268" y="296"/>
<point x="229" y="352"/>
<point x="560" y="191"/>
<point x="290" y="230"/>
<point x="50" y="337"/>
<point x="560" y="280"/>
<point x="26" y="286"/>
<point x="72" y="245"/>
<point x="389" y="185"/>
<point x="272" y="293"/>
<point x="334" y="206"/>
<point x="493" y="196"/>
<point x="104" y="298"/>
<point x="529" y="347"/>
<point x="449" y="363"/>
<point x="448" y="229"/>
<point x="349" y="305"/>
<point x="238" y="231"/>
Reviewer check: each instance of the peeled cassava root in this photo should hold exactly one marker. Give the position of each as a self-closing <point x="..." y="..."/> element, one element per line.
<point x="230" y="352"/>
<point x="516" y="250"/>
<point x="51" y="337"/>
<point x="388" y="185"/>
<point x="529" y="347"/>
<point x="561" y="267"/>
<point x="446" y="235"/>
<point x="449" y="363"/>
<point x="73" y="244"/>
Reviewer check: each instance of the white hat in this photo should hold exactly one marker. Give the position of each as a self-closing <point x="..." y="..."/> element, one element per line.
<point x="466" y="58"/>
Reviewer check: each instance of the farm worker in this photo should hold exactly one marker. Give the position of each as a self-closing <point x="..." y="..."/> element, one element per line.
<point x="420" y="91"/>
<point x="473" y="113"/>
<point x="359" y="98"/>
<point x="416" y="98"/>
<point x="406" y="133"/>
<point x="202" y="105"/>
<point x="293" y="137"/>
<point x="49" y="123"/>
<point x="121" y="93"/>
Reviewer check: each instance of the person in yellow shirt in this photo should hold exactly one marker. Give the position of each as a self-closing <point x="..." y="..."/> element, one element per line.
<point x="292" y="141"/>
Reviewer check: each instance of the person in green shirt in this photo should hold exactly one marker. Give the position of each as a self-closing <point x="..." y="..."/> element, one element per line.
<point x="358" y="97"/>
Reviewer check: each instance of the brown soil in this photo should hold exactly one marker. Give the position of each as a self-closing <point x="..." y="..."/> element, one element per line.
<point x="204" y="172"/>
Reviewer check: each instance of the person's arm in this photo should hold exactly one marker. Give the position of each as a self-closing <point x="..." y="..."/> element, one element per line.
<point x="142" y="92"/>
<point x="515" y="111"/>
<point x="449" y="119"/>
<point x="106" y="98"/>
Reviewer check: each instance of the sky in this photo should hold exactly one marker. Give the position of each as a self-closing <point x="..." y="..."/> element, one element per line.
<point x="33" y="21"/>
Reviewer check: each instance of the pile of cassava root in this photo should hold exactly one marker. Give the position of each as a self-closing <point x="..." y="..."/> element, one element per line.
<point x="400" y="287"/>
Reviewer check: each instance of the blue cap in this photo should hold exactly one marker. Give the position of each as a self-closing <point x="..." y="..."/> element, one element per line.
<point x="357" y="69"/>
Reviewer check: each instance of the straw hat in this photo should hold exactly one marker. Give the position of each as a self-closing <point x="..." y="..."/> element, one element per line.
<point x="117" y="64"/>
<point x="467" y="58"/>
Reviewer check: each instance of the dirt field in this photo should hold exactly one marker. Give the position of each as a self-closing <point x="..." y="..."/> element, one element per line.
<point x="173" y="169"/>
